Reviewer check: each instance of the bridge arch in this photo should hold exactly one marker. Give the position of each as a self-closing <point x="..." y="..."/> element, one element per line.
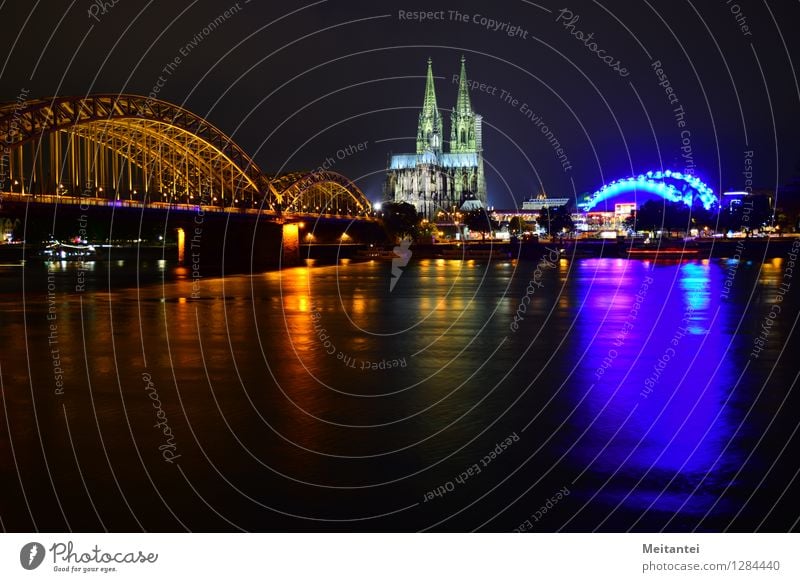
<point x="129" y="147"/>
<point x="125" y="145"/>
<point x="320" y="192"/>
<point x="672" y="186"/>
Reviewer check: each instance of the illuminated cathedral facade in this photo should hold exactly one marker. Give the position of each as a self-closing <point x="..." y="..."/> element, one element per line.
<point x="431" y="179"/>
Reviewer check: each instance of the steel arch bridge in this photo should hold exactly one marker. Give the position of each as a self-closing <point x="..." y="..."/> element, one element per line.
<point x="320" y="192"/>
<point x="129" y="147"/>
<point x="672" y="186"/>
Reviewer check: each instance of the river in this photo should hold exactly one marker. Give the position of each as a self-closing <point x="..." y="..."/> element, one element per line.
<point x="560" y="395"/>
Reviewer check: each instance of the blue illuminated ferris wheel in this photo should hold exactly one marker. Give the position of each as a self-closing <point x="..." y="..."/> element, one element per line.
<point x="669" y="185"/>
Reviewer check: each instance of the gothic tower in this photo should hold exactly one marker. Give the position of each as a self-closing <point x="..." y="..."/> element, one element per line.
<point x="429" y="130"/>
<point x="462" y="121"/>
<point x="466" y="137"/>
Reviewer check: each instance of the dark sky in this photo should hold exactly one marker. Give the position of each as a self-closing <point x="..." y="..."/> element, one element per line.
<point x="296" y="82"/>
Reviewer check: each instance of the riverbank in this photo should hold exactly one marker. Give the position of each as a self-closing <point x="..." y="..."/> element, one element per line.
<point x="753" y="249"/>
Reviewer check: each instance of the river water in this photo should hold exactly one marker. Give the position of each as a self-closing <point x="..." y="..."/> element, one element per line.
<point x="559" y="395"/>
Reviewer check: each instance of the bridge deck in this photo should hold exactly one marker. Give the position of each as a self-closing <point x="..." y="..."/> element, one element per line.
<point x="166" y="206"/>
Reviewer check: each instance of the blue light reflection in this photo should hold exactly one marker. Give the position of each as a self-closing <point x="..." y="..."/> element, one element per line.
<point x="660" y="375"/>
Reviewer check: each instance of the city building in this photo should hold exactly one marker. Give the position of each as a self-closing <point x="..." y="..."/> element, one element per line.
<point x="431" y="179"/>
<point x="543" y="201"/>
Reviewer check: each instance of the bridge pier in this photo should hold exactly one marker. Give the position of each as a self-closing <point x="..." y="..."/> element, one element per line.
<point x="181" y="236"/>
<point x="290" y="244"/>
<point x="220" y="240"/>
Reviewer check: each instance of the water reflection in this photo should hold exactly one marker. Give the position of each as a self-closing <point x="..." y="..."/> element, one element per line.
<point x="630" y="370"/>
<point x="661" y="380"/>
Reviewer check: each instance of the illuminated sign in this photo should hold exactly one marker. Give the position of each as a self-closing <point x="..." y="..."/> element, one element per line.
<point x="625" y="209"/>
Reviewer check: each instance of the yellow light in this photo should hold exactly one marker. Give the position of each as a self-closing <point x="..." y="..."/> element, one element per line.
<point x="181" y="245"/>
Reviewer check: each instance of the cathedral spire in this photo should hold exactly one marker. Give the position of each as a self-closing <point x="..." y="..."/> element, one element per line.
<point x="463" y="103"/>
<point x="429" y="105"/>
<point x="429" y="131"/>
<point x="464" y="124"/>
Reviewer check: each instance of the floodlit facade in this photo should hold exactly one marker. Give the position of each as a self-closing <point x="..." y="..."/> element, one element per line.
<point x="431" y="179"/>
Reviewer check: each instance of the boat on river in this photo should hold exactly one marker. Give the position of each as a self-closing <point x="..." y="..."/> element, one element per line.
<point x="59" y="251"/>
<point x="666" y="250"/>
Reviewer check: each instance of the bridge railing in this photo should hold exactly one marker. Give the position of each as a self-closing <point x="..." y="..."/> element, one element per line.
<point x="87" y="201"/>
<point x="121" y="203"/>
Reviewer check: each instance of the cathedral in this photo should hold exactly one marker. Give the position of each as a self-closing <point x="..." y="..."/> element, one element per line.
<point x="432" y="180"/>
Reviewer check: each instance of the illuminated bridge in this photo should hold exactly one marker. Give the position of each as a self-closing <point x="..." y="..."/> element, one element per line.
<point x="126" y="152"/>
<point x="669" y="185"/>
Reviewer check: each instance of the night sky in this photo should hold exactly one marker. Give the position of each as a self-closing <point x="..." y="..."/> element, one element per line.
<point x="295" y="83"/>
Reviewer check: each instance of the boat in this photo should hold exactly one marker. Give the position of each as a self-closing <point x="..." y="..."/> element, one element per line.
<point x="376" y="254"/>
<point x="667" y="250"/>
<point x="59" y="251"/>
<point x="468" y="253"/>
